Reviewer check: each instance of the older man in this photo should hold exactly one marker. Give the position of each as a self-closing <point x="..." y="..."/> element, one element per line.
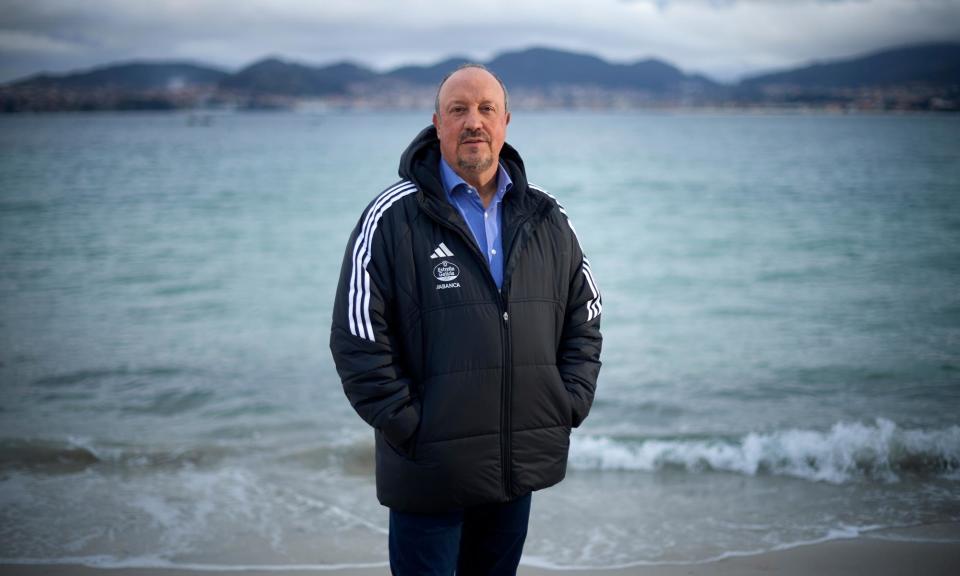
<point x="466" y="332"/>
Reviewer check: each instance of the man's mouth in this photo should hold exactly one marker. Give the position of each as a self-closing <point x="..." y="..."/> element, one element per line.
<point x="473" y="139"/>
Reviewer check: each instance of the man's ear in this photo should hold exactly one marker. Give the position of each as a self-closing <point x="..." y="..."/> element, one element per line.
<point x="508" y="119"/>
<point x="436" y="121"/>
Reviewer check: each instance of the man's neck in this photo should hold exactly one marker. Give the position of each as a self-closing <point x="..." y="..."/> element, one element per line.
<point x="485" y="184"/>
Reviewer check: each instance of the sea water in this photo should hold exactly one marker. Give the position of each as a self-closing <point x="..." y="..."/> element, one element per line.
<point x="781" y="334"/>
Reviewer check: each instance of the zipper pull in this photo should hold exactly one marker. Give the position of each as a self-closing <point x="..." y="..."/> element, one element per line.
<point x="506" y="317"/>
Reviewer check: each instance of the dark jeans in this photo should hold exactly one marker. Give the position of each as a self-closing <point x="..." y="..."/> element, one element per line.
<point x="484" y="539"/>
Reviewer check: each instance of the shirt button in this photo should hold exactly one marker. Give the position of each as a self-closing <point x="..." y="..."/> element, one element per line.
<point x="486" y="214"/>
<point x="494" y="252"/>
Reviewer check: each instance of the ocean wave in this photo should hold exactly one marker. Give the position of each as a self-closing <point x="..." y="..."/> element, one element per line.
<point x="75" y="454"/>
<point x="98" y="375"/>
<point x="846" y="452"/>
<point x="161" y="563"/>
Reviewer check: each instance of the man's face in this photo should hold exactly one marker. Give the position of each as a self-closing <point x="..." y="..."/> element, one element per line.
<point x="472" y="123"/>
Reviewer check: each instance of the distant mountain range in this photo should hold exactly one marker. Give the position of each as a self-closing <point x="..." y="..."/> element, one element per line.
<point x="931" y="64"/>
<point x="137" y="76"/>
<point x="919" y="77"/>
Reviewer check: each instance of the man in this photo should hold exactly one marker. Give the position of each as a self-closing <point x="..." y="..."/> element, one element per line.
<point x="466" y="331"/>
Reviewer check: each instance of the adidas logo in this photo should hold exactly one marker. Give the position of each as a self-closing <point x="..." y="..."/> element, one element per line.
<point x="441" y="252"/>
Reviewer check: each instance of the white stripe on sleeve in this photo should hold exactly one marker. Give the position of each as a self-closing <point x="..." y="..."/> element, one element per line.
<point x="595" y="305"/>
<point x="358" y="309"/>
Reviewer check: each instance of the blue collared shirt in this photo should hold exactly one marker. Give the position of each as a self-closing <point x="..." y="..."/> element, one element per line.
<point x="484" y="223"/>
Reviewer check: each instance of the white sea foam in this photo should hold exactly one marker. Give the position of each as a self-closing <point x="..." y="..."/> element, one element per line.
<point x="154" y="561"/>
<point x="839" y="533"/>
<point x="846" y="452"/>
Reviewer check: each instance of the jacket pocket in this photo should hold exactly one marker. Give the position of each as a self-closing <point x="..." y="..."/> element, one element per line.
<point x="566" y="402"/>
<point x="406" y="450"/>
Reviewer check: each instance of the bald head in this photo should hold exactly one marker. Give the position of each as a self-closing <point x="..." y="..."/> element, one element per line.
<point x="472" y="66"/>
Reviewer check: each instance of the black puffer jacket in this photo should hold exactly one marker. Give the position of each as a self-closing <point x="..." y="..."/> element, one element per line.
<point x="472" y="390"/>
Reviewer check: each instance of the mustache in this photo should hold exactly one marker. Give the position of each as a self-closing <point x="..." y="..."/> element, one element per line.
<point x="473" y="135"/>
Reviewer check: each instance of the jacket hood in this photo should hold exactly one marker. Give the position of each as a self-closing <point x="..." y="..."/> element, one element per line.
<point x="420" y="163"/>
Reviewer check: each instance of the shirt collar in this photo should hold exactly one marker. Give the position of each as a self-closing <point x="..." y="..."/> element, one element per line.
<point x="452" y="181"/>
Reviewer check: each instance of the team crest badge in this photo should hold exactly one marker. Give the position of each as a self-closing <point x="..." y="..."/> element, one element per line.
<point x="446" y="271"/>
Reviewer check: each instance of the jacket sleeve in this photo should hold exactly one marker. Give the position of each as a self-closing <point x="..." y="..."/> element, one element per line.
<point x="578" y="356"/>
<point x="362" y="340"/>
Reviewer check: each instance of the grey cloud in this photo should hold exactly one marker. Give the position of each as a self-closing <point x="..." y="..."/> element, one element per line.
<point x="727" y="3"/>
<point x="721" y="38"/>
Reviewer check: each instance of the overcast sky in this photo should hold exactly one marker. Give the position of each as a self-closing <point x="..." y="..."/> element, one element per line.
<point x="724" y="39"/>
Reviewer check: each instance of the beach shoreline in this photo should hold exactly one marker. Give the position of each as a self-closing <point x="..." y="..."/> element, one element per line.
<point x="932" y="550"/>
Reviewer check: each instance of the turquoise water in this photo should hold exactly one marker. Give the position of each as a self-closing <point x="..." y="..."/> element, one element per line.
<point x="781" y="321"/>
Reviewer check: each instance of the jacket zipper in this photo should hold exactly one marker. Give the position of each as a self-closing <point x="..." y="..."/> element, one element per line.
<point x="506" y="392"/>
<point x="506" y="389"/>
<point x="506" y="409"/>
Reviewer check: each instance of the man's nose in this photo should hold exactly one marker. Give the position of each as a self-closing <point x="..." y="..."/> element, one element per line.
<point x="473" y="120"/>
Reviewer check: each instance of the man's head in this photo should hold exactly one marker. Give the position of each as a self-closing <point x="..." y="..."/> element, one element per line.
<point x="471" y="118"/>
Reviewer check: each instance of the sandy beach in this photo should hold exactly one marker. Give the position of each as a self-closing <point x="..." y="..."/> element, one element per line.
<point x="929" y="550"/>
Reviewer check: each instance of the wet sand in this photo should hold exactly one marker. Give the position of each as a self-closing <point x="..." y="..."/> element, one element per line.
<point x="874" y="554"/>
